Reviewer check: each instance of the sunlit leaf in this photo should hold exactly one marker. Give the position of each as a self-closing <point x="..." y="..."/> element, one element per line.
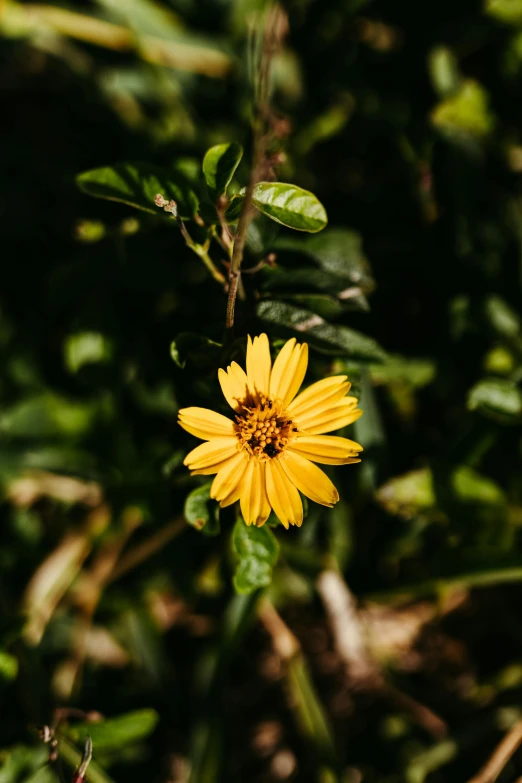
<point x="501" y="317"/>
<point x="219" y="165"/>
<point x="8" y="666"/>
<point x="114" y="733"/>
<point x="137" y="185"/>
<point x="505" y="10"/>
<point x="497" y="398"/>
<point x="83" y="348"/>
<point x="328" y="338"/>
<point x="404" y="371"/>
<point x="47" y="415"/>
<point x="444" y="70"/>
<point x="290" y="205"/>
<point x="470" y="486"/>
<point x="465" y="112"/>
<point x="408" y="494"/>
<point x="21" y="763"/>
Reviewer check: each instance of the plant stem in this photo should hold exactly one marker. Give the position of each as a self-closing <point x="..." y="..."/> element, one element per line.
<point x="200" y="251"/>
<point x="203" y="254"/>
<point x="269" y="45"/>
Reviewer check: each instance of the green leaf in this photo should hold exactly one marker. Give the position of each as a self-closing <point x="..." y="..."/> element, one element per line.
<point x="464" y="113"/>
<point x="475" y="488"/>
<point x="199" y="351"/>
<point x="326" y="306"/>
<point x="257" y="551"/>
<point x="290" y="205"/>
<point x="8" y="666"/>
<point x="509" y="11"/>
<point x="72" y="756"/>
<point x="219" y="165"/>
<point x="501" y="317"/>
<point x="201" y="511"/>
<point x="404" y="372"/>
<point x="497" y="398"/>
<point x="233" y="211"/>
<point x="22" y="762"/>
<point x="408" y="494"/>
<point x="310" y="713"/>
<point x="325" y="337"/>
<point x="300" y="279"/>
<point x="137" y="185"/>
<point x="444" y="70"/>
<point x="414" y="492"/>
<point x="208" y="213"/>
<point x="117" y="732"/>
<point x="337" y="251"/>
<point x="47" y="415"/>
<point x="83" y="348"/>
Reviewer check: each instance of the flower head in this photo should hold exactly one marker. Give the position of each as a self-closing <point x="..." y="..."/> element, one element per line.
<point x="266" y="455"/>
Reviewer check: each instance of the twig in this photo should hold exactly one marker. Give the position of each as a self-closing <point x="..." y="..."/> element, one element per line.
<point x="284" y="641"/>
<point x="421" y="714"/>
<point x="350" y="643"/>
<point x="271" y="39"/>
<point x="90" y="591"/>
<point x="143" y="551"/>
<point x="199" y="250"/>
<point x="500" y="757"/>
<point x="346" y="627"/>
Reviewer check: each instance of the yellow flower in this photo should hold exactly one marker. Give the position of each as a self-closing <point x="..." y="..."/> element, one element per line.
<point x="266" y="456"/>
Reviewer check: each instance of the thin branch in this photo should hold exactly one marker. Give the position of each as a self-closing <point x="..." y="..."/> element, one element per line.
<point x="285" y="643"/>
<point x="346" y="627"/>
<point x="200" y="250"/>
<point x="270" y="42"/>
<point x="500" y="757"/>
<point x="362" y="670"/>
<point x="142" y="552"/>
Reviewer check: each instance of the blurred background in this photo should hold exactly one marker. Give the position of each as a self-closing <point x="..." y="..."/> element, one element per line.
<point x="383" y="642"/>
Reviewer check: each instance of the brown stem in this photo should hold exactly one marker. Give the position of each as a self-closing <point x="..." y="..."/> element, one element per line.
<point x="231" y="301"/>
<point x="500" y="757"/>
<point x="271" y="40"/>
<point x="362" y="671"/>
<point x="142" y="552"/>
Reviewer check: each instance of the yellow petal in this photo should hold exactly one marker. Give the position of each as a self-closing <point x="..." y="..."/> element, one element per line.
<point x="283" y="495"/>
<point x="330" y="420"/>
<point x="258" y="364"/>
<point x="288" y="371"/>
<point x="211" y="469"/>
<point x="326" y="449"/>
<point x="232" y="497"/>
<point x="229" y="476"/>
<point x="211" y="452"/>
<point x="204" y="423"/>
<point x="312" y="417"/>
<point x="309" y="479"/>
<point x="255" y="507"/>
<point x="319" y="396"/>
<point x="234" y="385"/>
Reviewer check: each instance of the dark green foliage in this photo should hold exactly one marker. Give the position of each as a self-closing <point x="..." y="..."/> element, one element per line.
<point x="189" y="646"/>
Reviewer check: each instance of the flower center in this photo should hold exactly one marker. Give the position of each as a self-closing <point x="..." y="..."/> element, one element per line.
<point x="264" y="430"/>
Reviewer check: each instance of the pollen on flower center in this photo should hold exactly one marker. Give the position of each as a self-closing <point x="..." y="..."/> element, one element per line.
<point x="264" y="430"/>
